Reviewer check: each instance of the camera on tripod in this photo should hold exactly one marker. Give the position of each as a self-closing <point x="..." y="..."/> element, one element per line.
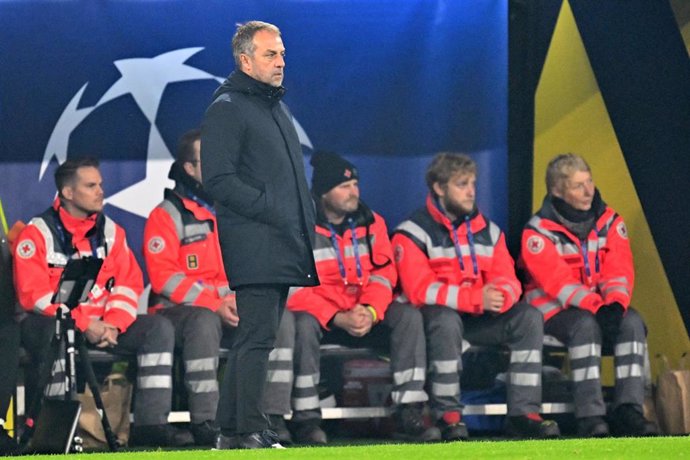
<point x="54" y="429"/>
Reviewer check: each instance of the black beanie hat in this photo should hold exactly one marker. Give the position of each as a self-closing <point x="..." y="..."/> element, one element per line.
<point x="330" y="169"/>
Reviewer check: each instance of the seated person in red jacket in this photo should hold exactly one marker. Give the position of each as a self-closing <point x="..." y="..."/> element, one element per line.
<point x="351" y="306"/>
<point x="73" y="227"/>
<point x="454" y="266"/>
<point x="579" y="268"/>
<point x="188" y="282"/>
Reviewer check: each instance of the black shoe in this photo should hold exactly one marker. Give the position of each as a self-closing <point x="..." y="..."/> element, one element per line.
<point x="278" y="425"/>
<point x="161" y="436"/>
<point x="224" y="442"/>
<point x="265" y="439"/>
<point x="627" y="420"/>
<point x="410" y="425"/>
<point x="8" y="446"/>
<point x="309" y="433"/>
<point x="592" y="427"/>
<point x="452" y="427"/>
<point x="531" y="426"/>
<point x="205" y="433"/>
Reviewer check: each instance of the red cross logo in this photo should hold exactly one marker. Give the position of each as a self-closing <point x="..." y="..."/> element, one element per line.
<point x="26" y="249"/>
<point x="156" y="245"/>
<point x="535" y="244"/>
<point x="347" y="173"/>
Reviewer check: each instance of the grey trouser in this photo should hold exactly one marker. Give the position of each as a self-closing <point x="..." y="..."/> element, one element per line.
<point x="520" y="329"/>
<point x="401" y="331"/>
<point x="151" y="338"/>
<point x="280" y="374"/>
<point x="197" y="337"/>
<point x="580" y="332"/>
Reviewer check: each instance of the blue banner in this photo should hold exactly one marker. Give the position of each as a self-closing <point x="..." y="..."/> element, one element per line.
<point x="385" y="83"/>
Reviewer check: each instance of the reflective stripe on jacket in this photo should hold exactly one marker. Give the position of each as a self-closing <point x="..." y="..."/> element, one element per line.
<point x="333" y="295"/>
<point x="183" y="255"/>
<point x="559" y="276"/>
<point x="42" y="252"/>
<point x="432" y="273"/>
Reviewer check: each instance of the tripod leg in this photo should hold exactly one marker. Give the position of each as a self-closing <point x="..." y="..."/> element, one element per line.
<point x="93" y="384"/>
<point x="43" y="380"/>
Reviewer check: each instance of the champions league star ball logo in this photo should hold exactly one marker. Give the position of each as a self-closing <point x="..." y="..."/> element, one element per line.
<point x="145" y="80"/>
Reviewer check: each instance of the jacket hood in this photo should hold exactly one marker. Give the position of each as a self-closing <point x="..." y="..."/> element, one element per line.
<point x="240" y="82"/>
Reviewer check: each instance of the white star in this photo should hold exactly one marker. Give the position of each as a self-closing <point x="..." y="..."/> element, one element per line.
<point x="146" y="78"/>
<point x="59" y="139"/>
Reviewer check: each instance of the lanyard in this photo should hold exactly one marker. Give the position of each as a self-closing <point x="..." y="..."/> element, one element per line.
<point x="458" y="251"/>
<point x="355" y="248"/>
<point x="584" y="246"/>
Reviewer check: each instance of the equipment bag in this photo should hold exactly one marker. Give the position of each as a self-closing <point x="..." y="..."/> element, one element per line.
<point x="116" y="393"/>
<point x="673" y="397"/>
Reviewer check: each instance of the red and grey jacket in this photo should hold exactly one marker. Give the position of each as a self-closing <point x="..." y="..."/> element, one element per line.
<point x="564" y="271"/>
<point x="182" y="253"/>
<point x="46" y="244"/>
<point x="448" y="263"/>
<point x="354" y="266"/>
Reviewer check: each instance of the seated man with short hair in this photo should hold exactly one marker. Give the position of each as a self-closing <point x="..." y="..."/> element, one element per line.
<point x="75" y="227"/>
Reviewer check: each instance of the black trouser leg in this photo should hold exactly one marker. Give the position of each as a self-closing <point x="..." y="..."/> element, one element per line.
<point x="259" y="308"/>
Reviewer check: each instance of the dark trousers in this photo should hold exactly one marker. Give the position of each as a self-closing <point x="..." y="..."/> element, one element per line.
<point x="9" y="351"/>
<point x="260" y="308"/>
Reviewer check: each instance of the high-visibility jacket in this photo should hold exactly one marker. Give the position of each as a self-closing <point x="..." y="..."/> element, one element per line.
<point x="448" y="263"/>
<point x="46" y="244"/>
<point x="563" y="271"/>
<point x="183" y="255"/>
<point x="349" y="252"/>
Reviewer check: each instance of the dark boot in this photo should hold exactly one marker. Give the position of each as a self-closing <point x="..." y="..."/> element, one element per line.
<point x="592" y="427"/>
<point x="309" y="433"/>
<point x="277" y="422"/>
<point x="452" y="427"/>
<point x="161" y="436"/>
<point x="627" y="420"/>
<point x="410" y="425"/>
<point x="531" y="426"/>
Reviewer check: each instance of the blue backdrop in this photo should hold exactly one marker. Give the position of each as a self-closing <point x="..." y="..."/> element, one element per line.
<point x="385" y="83"/>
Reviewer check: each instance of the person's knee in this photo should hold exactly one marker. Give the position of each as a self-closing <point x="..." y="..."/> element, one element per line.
<point x="205" y="322"/>
<point x="407" y="316"/>
<point x="632" y="323"/>
<point x="442" y="322"/>
<point x="159" y="329"/>
<point x="584" y="327"/>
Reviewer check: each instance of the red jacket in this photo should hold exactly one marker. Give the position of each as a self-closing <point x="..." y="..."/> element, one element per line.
<point x="183" y="255"/>
<point x="333" y="295"/>
<point x="557" y="275"/>
<point x="431" y="273"/>
<point x="41" y="254"/>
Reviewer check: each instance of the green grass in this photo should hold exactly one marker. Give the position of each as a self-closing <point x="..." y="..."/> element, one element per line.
<point x="566" y="449"/>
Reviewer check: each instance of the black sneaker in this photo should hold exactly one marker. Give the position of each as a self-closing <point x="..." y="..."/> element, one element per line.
<point x="452" y="427"/>
<point x="277" y="422"/>
<point x="161" y="436"/>
<point x="531" y="426"/>
<point x="410" y="425"/>
<point x="592" y="427"/>
<point x="309" y="433"/>
<point x="205" y="433"/>
<point x="8" y="446"/>
<point x="265" y="439"/>
<point x="627" y="420"/>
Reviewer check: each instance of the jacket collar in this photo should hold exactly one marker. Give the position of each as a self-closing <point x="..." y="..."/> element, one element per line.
<point x="476" y="219"/>
<point x="240" y="82"/>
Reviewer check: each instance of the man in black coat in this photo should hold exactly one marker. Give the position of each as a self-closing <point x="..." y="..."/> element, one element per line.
<point x="252" y="167"/>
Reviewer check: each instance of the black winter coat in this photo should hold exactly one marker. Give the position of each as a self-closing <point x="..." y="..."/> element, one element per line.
<point x="252" y="166"/>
